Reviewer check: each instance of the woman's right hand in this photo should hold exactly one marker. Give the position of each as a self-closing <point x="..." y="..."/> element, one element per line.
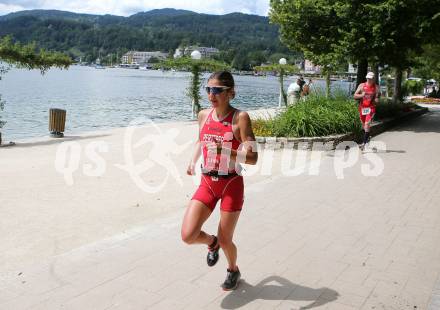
<point x="191" y="169"/>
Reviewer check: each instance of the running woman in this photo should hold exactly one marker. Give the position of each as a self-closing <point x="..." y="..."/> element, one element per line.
<point x="369" y="94"/>
<point x="225" y="140"/>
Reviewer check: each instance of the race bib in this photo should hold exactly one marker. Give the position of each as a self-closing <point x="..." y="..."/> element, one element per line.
<point x="366" y="111"/>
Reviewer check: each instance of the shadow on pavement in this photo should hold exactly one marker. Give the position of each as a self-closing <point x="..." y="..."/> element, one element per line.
<point x="282" y="289"/>
<point x="384" y="152"/>
<point x="371" y="151"/>
<point x="429" y="122"/>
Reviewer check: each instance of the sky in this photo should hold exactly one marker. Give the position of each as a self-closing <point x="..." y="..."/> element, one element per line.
<point x="129" y="7"/>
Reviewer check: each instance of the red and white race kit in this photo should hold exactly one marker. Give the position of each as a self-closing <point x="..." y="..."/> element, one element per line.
<point x="220" y="180"/>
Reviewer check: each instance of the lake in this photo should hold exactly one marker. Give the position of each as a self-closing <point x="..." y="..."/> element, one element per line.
<point x="110" y="98"/>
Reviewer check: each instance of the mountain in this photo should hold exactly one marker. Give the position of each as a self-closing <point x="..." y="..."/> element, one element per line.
<point x="56" y="14"/>
<point x="165" y="12"/>
<point x="241" y="38"/>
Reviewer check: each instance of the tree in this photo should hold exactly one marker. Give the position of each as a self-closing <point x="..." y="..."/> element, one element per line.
<point x="402" y="28"/>
<point x="377" y="31"/>
<point x="428" y="64"/>
<point x="390" y="32"/>
<point x="356" y="36"/>
<point x="241" y="61"/>
<point x="28" y="57"/>
<point x="311" y="27"/>
<point x="195" y="66"/>
<point x="2" y="123"/>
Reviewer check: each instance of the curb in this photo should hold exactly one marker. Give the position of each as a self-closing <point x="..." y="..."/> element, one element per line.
<point x="330" y="142"/>
<point x="7" y="144"/>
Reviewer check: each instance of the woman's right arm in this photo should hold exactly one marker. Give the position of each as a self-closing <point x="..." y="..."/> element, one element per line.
<point x="197" y="151"/>
<point x="196" y="154"/>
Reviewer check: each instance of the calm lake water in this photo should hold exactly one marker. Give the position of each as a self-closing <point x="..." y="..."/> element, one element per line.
<point x="101" y="99"/>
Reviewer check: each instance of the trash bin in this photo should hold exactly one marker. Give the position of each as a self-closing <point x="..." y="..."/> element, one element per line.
<point x="57" y="121"/>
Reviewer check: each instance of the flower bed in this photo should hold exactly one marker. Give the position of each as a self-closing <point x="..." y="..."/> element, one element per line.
<point x="426" y="100"/>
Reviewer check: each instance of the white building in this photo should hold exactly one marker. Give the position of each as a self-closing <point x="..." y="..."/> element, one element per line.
<point x="207" y="52"/>
<point x="310" y="67"/>
<point x="136" y="57"/>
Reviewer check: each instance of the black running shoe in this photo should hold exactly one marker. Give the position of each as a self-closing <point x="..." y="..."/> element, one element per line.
<point x="232" y="279"/>
<point x="213" y="256"/>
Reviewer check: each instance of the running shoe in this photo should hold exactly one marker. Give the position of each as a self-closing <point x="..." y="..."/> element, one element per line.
<point x="232" y="280"/>
<point x="212" y="257"/>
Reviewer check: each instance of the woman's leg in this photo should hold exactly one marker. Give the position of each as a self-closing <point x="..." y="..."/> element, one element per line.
<point x="196" y="214"/>
<point x="226" y="227"/>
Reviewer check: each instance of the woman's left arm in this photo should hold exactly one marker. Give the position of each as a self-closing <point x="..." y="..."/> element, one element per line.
<point x="248" y="153"/>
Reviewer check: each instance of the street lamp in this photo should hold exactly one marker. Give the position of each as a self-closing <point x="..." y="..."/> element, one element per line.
<point x="196" y="55"/>
<point x="282" y="62"/>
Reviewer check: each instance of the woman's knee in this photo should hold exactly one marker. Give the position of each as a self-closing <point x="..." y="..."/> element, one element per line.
<point x="189" y="235"/>
<point x="224" y="242"/>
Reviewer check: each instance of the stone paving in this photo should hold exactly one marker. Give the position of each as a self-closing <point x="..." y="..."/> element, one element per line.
<point x="311" y="241"/>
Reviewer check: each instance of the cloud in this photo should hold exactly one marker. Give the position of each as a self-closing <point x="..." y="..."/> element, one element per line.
<point x="7" y="8"/>
<point x="128" y="7"/>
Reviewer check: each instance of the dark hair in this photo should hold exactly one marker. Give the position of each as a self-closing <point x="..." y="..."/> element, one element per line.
<point x="224" y="77"/>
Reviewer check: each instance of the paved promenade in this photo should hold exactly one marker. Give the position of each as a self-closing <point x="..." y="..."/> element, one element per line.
<point x="311" y="241"/>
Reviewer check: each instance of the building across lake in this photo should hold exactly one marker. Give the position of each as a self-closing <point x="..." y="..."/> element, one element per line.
<point x="207" y="52"/>
<point x="141" y="58"/>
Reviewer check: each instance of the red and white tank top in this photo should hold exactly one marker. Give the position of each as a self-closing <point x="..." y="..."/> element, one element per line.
<point x="370" y="95"/>
<point x="219" y="131"/>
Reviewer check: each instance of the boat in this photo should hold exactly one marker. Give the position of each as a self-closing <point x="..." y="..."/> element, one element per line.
<point x="129" y="66"/>
<point x="98" y="64"/>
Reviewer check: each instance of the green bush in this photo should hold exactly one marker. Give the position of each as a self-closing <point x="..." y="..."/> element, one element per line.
<point x="321" y="116"/>
<point x="388" y="109"/>
<point x="316" y="116"/>
<point x="412" y="87"/>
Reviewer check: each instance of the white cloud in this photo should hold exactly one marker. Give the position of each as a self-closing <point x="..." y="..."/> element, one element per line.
<point x="7" y="8"/>
<point x="128" y="7"/>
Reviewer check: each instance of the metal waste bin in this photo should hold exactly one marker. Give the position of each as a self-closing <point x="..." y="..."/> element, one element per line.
<point x="57" y="122"/>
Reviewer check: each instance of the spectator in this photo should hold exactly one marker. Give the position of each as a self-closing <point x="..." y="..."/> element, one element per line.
<point x="294" y="92"/>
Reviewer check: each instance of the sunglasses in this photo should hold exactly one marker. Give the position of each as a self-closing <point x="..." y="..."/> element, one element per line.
<point x="216" y="89"/>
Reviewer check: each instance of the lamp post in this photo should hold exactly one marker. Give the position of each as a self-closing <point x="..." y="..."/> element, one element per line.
<point x="282" y="62"/>
<point x="195" y="55"/>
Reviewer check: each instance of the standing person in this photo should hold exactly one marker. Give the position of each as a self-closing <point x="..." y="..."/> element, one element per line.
<point x="368" y="93"/>
<point x="294" y="92"/>
<point x="225" y="140"/>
